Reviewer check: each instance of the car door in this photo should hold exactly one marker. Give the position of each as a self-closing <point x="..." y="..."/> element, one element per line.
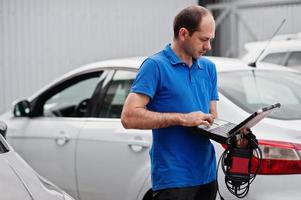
<point x="112" y="163"/>
<point x="47" y="141"/>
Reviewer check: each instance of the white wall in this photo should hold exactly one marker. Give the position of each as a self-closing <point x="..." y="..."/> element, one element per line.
<point x="42" y="39"/>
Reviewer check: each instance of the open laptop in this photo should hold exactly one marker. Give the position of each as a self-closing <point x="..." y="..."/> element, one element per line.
<point x="221" y="130"/>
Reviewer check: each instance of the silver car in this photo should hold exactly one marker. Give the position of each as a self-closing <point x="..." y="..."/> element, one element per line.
<point x="70" y="130"/>
<point x="283" y="50"/>
<point x="19" y="180"/>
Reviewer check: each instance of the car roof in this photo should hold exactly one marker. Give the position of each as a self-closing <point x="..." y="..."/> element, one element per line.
<point x="280" y="45"/>
<point x="133" y="63"/>
<point x="275" y="46"/>
<point x="285" y="41"/>
<point x="222" y="64"/>
<point x="292" y="36"/>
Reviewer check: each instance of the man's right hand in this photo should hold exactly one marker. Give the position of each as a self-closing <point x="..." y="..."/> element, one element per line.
<point x="196" y="118"/>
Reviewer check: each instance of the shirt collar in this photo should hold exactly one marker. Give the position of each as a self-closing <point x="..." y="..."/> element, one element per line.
<point x="175" y="60"/>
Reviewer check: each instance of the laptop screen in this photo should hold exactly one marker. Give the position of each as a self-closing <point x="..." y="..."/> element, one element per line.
<point x="254" y="118"/>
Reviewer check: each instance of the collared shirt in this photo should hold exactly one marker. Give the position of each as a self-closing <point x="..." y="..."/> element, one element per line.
<point x="179" y="158"/>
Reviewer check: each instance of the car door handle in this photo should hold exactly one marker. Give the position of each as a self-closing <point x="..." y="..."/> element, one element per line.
<point x="141" y="143"/>
<point x="138" y="145"/>
<point x="62" y="139"/>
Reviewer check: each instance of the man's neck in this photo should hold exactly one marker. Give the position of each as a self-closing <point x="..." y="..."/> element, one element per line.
<point x="181" y="54"/>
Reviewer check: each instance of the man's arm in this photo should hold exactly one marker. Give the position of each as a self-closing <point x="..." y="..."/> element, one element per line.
<point x="135" y="115"/>
<point x="213" y="109"/>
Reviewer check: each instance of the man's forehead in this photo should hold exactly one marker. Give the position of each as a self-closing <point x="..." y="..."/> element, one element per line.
<point x="206" y="27"/>
<point x="210" y="34"/>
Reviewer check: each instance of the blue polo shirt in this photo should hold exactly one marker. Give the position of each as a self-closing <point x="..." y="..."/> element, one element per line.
<point x="179" y="158"/>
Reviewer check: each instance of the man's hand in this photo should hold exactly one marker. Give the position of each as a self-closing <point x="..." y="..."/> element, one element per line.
<point x="196" y="118"/>
<point x="243" y="142"/>
<point x="135" y="115"/>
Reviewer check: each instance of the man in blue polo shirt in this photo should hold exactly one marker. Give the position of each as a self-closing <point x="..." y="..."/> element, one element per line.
<point x="176" y="89"/>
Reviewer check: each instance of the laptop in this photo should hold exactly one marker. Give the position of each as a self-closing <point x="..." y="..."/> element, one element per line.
<point x="221" y="130"/>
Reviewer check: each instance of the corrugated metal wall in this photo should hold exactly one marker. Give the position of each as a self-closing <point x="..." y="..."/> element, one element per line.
<point x="265" y="21"/>
<point x="262" y="17"/>
<point x="42" y="39"/>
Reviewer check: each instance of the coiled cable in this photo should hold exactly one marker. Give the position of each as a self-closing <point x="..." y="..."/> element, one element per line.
<point x="239" y="184"/>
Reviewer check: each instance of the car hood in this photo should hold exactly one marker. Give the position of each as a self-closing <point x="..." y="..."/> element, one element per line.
<point x="11" y="186"/>
<point x="19" y="181"/>
<point x="6" y="116"/>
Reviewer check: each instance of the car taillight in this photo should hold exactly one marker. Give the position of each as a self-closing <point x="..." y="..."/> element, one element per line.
<point x="279" y="158"/>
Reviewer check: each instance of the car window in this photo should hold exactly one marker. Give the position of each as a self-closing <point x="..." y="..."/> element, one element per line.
<point x="275" y="58"/>
<point x="254" y="89"/>
<point x="116" y="94"/>
<point x="73" y="100"/>
<point x="294" y="59"/>
<point x="3" y="147"/>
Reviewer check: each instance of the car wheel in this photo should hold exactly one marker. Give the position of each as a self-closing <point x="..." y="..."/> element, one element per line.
<point x="148" y="195"/>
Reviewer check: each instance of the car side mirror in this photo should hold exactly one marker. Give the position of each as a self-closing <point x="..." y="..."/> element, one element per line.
<point x="3" y="129"/>
<point x="22" y="109"/>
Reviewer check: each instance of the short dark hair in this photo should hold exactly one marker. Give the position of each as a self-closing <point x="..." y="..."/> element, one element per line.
<point x="189" y="18"/>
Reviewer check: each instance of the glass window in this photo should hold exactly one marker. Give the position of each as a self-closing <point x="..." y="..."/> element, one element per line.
<point x="254" y="89"/>
<point x="275" y="58"/>
<point x="3" y="128"/>
<point x="2" y="148"/>
<point x="294" y="59"/>
<point x="73" y="100"/>
<point x="116" y="94"/>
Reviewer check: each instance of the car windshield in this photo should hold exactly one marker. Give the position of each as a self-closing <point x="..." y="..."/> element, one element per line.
<point x="254" y="89"/>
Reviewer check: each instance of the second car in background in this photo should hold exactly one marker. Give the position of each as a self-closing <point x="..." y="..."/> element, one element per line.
<point x="282" y="50"/>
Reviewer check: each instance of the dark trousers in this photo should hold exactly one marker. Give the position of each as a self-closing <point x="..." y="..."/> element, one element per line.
<point x="202" y="192"/>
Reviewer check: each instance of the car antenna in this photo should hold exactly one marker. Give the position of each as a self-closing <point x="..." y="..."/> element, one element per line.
<point x="253" y="64"/>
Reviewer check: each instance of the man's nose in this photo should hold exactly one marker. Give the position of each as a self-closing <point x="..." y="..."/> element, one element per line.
<point x="207" y="46"/>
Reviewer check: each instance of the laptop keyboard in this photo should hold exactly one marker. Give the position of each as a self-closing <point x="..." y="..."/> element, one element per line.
<point x="224" y="129"/>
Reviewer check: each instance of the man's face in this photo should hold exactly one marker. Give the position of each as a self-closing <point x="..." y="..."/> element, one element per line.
<point x="198" y="43"/>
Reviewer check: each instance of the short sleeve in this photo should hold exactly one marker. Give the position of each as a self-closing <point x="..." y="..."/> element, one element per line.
<point x="213" y="76"/>
<point x="147" y="79"/>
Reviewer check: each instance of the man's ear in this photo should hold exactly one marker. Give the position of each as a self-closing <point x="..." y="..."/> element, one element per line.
<point x="183" y="34"/>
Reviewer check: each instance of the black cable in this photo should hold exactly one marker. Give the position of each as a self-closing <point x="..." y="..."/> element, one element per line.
<point x="239" y="185"/>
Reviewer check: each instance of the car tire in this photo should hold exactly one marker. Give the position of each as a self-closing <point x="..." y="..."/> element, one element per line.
<point x="148" y="195"/>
